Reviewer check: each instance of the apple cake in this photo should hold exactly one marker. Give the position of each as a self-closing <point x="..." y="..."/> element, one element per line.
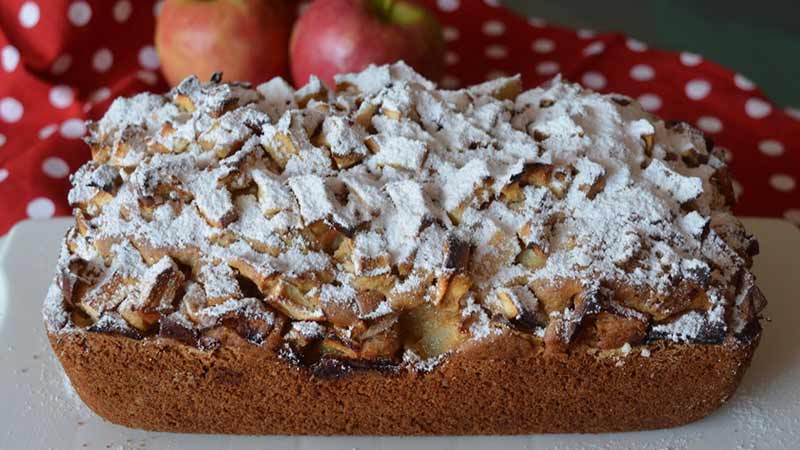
<point x="385" y="257"/>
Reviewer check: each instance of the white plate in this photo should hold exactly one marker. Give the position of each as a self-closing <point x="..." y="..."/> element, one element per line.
<point x="39" y="410"/>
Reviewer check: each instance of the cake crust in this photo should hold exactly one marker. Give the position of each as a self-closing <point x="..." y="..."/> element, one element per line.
<point x="244" y="389"/>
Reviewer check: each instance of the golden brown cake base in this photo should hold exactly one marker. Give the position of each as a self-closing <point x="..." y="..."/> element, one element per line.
<point x="160" y="384"/>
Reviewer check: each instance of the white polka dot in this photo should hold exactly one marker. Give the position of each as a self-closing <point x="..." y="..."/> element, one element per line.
<point x="29" y="14"/>
<point x="586" y="34"/>
<point x="770" y="147"/>
<point x="2" y="139"/>
<point x="73" y="128"/>
<point x="450" y="34"/>
<point x="122" y="11"/>
<point x="9" y="57"/>
<point x="3" y="175"/>
<point x="537" y="22"/>
<point x="47" y="131"/>
<point x="61" y="64"/>
<point x="650" y="102"/>
<point x="743" y="83"/>
<point x="61" y="96"/>
<point x="147" y="77"/>
<point x="792" y="215"/>
<point x="495" y="74"/>
<point x="757" y="108"/>
<point x="547" y="68"/>
<point x="451" y="58"/>
<point x="593" y="80"/>
<point x="41" y="208"/>
<point x="642" y="72"/>
<point x="794" y="113"/>
<point x="55" y="167"/>
<point x="11" y="110"/>
<point x="697" y="89"/>
<point x="492" y="3"/>
<point x="496" y="51"/>
<point x="595" y="48"/>
<point x="737" y="189"/>
<point x="543" y="45"/>
<point x="449" y="82"/>
<point x="709" y="124"/>
<point x="102" y="60"/>
<point x="635" y="45"/>
<point x="447" y="5"/>
<point x="493" y="28"/>
<point x="79" y="13"/>
<point x="691" y="59"/>
<point x="782" y="182"/>
<point x="100" y="95"/>
<point x="148" y="57"/>
<point x="157" y="7"/>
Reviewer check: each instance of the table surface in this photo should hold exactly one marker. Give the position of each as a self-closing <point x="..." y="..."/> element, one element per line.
<point x="761" y="41"/>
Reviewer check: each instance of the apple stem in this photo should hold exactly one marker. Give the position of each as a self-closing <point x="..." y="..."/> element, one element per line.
<point x="383" y="8"/>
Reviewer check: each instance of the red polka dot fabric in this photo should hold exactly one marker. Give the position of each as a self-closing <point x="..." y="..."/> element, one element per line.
<point x="63" y="61"/>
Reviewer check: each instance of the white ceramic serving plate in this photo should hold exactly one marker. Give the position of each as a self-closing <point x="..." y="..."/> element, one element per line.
<point x="39" y="410"/>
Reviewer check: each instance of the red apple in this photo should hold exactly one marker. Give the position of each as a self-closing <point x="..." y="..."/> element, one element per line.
<point x="246" y="39"/>
<point x="340" y="36"/>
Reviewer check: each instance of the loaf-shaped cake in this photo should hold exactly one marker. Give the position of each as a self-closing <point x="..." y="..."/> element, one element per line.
<point x="385" y="257"/>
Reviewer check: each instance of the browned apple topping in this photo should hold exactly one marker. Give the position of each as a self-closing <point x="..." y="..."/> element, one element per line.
<point x="387" y="222"/>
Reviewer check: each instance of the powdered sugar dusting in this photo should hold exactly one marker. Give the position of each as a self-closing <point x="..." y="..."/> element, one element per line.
<point x="386" y="184"/>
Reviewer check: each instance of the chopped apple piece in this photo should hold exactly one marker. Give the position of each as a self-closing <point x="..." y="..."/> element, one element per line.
<point x="534" y="174"/>
<point x="194" y="299"/>
<point x="302" y="334"/>
<point x="263" y="277"/>
<point x="456" y="253"/>
<point x="515" y="303"/>
<point x="348" y="160"/>
<point x="313" y="90"/>
<point x="280" y="148"/>
<point x="431" y="332"/>
<point x="504" y="303"/>
<point x="369" y="254"/>
<point x="410" y="292"/>
<point x="336" y="348"/>
<point x="532" y="258"/>
<point x="329" y="238"/>
<point x="363" y="116"/>
<point x="504" y="88"/>
<point x="159" y="286"/>
<point x="613" y="331"/>
<point x="457" y="213"/>
<point x="450" y="289"/>
<point x="184" y="102"/>
<point x="382" y="345"/>
<point x="391" y="113"/>
<point x="341" y="312"/>
<point x="649" y="142"/>
<point x="512" y="193"/>
<point x="368" y="302"/>
<point x="557" y="294"/>
<point x="382" y="283"/>
<point x="105" y="295"/>
<point x="219" y="282"/>
<point x="288" y="299"/>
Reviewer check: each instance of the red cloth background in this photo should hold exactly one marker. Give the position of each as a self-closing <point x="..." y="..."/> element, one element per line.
<point x="63" y="61"/>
